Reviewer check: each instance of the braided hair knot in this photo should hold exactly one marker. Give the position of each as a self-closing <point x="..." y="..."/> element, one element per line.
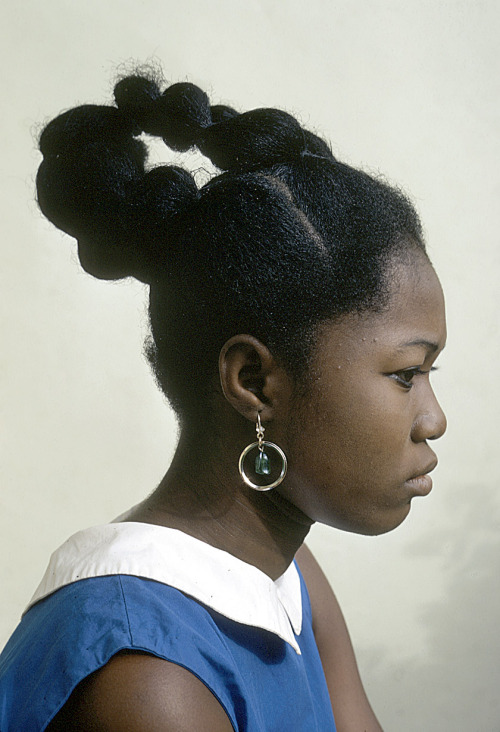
<point x="178" y="115"/>
<point x="252" y="140"/>
<point x="92" y="185"/>
<point x="183" y="117"/>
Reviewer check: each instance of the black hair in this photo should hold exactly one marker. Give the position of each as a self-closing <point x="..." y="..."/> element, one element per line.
<point x="285" y="238"/>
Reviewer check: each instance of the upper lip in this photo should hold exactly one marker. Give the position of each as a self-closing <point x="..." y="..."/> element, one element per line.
<point x="425" y="470"/>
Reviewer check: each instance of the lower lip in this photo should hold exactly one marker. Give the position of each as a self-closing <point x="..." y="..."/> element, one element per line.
<point x="421" y="485"/>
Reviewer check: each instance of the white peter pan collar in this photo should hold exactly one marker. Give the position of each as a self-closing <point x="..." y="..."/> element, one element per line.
<point x="231" y="587"/>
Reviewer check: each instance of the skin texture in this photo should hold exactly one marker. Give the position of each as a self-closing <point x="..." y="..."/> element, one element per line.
<point x="365" y="423"/>
<point x="139" y="693"/>
<point x="355" y="441"/>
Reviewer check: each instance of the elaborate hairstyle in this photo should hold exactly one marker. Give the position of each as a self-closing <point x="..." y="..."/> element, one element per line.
<point x="285" y="238"/>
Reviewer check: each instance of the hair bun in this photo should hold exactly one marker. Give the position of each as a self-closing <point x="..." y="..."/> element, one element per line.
<point x="183" y="111"/>
<point x="119" y="233"/>
<point x="183" y="117"/>
<point x="81" y="126"/>
<point x="178" y="115"/>
<point x="92" y="185"/>
<point x="256" y="139"/>
<point x="135" y="96"/>
<point x="156" y="207"/>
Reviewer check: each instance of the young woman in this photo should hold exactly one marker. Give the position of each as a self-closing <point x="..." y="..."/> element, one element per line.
<point x="295" y="318"/>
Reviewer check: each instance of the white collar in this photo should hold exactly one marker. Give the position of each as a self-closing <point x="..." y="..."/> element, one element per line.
<point x="228" y="585"/>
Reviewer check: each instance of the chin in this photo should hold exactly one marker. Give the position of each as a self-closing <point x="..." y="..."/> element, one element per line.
<point x="374" y="525"/>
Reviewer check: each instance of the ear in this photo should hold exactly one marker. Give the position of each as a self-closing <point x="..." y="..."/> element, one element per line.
<point x="251" y="379"/>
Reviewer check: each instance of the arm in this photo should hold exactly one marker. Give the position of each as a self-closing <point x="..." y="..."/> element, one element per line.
<point x="137" y="692"/>
<point x="351" y="707"/>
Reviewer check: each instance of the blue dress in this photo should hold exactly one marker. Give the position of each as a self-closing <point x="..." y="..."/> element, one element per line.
<point x="235" y="629"/>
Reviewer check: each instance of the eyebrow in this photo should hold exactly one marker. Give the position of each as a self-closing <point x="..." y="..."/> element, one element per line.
<point x="428" y="345"/>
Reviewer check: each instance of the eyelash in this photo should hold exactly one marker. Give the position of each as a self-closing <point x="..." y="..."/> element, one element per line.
<point x="415" y="371"/>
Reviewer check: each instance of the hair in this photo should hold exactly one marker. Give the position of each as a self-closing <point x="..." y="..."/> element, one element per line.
<point x="284" y="238"/>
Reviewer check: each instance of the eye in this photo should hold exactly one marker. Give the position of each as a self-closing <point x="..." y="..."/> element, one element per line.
<point x="405" y="376"/>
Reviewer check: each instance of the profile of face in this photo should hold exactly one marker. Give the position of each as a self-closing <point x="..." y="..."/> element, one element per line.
<point x="358" y="441"/>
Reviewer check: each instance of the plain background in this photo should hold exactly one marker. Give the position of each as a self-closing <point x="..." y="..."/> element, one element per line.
<point x="410" y="89"/>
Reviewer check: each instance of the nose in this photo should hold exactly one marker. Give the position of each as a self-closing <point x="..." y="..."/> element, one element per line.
<point x="430" y="423"/>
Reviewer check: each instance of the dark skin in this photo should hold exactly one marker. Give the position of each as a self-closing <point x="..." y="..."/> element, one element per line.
<point x="356" y="442"/>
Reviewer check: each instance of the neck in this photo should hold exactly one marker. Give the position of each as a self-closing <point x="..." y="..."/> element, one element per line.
<point x="203" y="495"/>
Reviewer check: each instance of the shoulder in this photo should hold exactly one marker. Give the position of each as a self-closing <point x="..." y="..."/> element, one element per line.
<point x="154" y="683"/>
<point x="136" y="692"/>
<point x="65" y="643"/>
<point x="350" y="705"/>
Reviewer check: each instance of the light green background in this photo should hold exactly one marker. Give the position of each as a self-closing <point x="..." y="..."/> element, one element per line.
<point x="408" y="88"/>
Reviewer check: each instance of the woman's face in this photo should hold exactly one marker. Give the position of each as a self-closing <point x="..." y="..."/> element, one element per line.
<point x="357" y="444"/>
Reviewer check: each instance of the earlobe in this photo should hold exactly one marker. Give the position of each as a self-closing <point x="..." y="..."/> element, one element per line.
<point x="251" y="380"/>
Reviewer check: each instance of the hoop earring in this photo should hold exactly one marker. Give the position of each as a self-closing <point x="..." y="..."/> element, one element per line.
<point x="270" y="461"/>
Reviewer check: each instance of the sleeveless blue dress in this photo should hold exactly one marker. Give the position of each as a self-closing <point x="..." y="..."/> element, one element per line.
<point x="156" y="590"/>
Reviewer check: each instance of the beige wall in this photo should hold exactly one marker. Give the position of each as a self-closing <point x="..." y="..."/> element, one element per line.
<point x="408" y="88"/>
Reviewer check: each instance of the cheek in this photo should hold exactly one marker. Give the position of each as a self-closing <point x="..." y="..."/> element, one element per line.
<point x="344" y="433"/>
<point x="348" y="453"/>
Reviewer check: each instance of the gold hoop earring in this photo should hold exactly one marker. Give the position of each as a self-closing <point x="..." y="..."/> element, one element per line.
<point x="268" y="462"/>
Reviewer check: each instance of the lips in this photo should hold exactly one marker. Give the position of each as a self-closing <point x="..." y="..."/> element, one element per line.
<point x="421" y="484"/>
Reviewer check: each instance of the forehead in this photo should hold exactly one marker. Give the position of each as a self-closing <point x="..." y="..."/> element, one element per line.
<point x="414" y="314"/>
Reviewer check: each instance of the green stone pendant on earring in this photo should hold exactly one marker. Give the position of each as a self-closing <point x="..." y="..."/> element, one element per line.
<point x="262" y="466"/>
